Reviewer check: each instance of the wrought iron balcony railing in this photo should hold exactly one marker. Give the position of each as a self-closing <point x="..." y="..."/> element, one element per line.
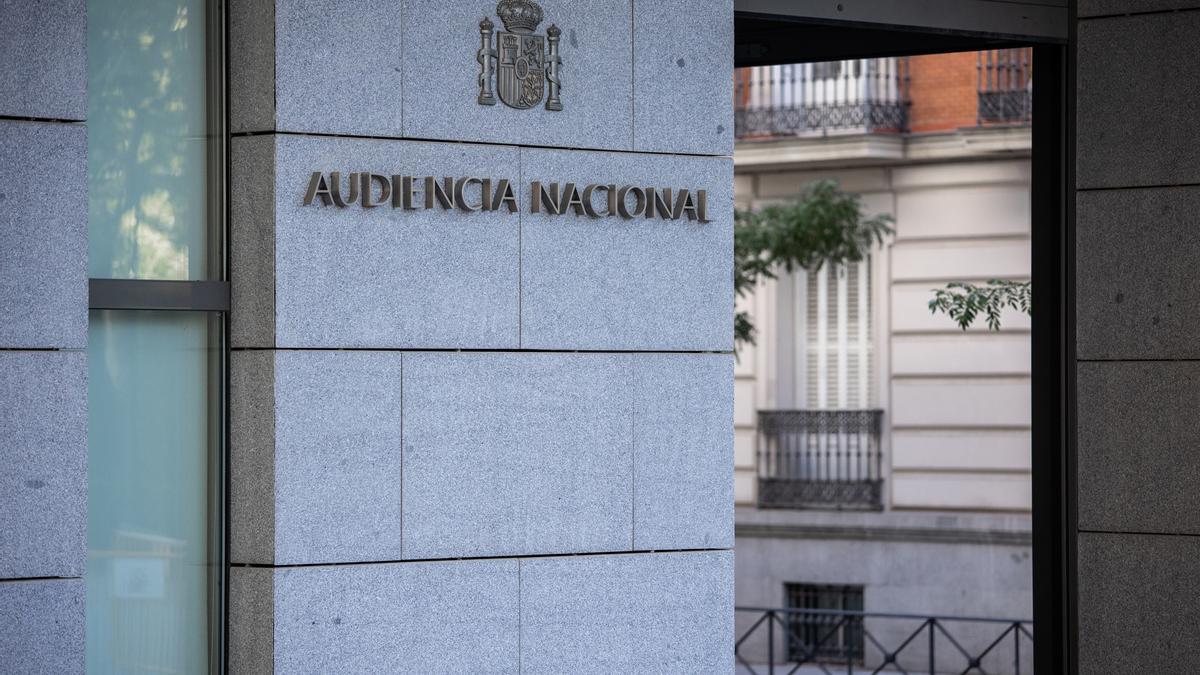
<point x="864" y="95"/>
<point x="819" y="459"/>
<point x="844" y="641"/>
<point x="1006" y="86"/>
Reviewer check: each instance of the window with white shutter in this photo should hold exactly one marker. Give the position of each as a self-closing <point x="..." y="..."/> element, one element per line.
<point x="838" y="349"/>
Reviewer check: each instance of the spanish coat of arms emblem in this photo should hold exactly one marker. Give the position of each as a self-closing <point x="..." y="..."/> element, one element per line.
<point x="522" y="62"/>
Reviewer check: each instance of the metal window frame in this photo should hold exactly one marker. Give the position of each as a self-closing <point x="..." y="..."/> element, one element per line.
<point x="848" y="643"/>
<point x="217" y="23"/>
<point x="1053" y="357"/>
<point x="767" y="32"/>
<point x="157" y="295"/>
<point x="210" y="296"/>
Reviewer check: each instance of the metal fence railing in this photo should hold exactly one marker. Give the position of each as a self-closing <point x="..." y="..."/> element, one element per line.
<point x="874" y="95"/>
<point x="819" y="459"/>
<point x="781" y="640"/>
<point x="1006" y="86"/>
<point x="816" y="98"/>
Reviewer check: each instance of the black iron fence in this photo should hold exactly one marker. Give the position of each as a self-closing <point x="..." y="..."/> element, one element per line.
<point x="819" y="459"/>
<point x="1006" y="86"/>
<point x="772" y="640"/>
<point x="816" y="98"/>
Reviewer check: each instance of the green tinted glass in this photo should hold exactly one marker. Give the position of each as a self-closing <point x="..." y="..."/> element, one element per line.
<point x="153" y="546"/>
<point x="147" y="183"/>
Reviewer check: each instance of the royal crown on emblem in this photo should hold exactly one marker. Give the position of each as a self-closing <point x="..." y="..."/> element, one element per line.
<point x="519" y="16"/>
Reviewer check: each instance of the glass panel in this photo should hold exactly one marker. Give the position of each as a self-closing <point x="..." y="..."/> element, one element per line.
<point x="152" y="488"/>
<point x="146" y="139"/>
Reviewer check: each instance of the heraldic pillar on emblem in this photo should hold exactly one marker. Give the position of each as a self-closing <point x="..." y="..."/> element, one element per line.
<point x="521" y="61"/>
<point x="552" y="63"/>
<point x="484" y="57"/>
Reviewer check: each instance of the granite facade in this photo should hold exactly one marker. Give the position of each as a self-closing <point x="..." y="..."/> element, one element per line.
<point x="252" y="241"/>
<point x="615" y="283"/>
<point x="1137" y="603"/>
<point x="317" y="457"/>
<point x="43" y="464"/>
<point x="635" y="75"/>
<point x="363" y="455"/>
<point x="641" y="613"/>
<point x="441" y="76"/>
<point x="425" y="405"/>
<point x="1120" y="81"/>
<point x="372" y="277"/>
<point x="683" y="94"/>
<point x="337" y="456"/>
<point x="457" y="433"/>
<point x="43" y="259"/>
<point x="1122" y="454"/>
<point x="251" y="620"/>
<point x="320" y="48"/>
<point x="1137" y="377"/>
<point x="328" y="69"/>
<point x="325" y="300"/>
<point x="252" y="456"/>
<point x="251" y="66"/>
<point x="1121" y="311"/>
<point x="43" y="332"/>
<point x="516" y="454"/>
<point x="42" y="627"/>
<point x="443" y="617"/>
<point x="1101" y="8"/>
<point x="393" y="278"/>
<point x="635" y="613"/>
<point x="683" y="451"/>
<point x="43" y="47"/>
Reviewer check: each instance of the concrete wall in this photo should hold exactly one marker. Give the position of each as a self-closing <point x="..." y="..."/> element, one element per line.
<point x="956" y="423"/>
<point x="907" y="563"/>
<point x="424" y="401"/>
<point x="43" y="335"/>
<point x="1137" y="168"/>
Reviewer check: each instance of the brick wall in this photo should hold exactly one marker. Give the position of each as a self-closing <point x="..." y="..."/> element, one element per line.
<point x="943" y="91"/>
<point x="944" y="88"/>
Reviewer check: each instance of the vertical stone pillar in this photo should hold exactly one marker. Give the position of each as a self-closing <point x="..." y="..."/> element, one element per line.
<point x="1138" y="373"/>
<point x="468" y="439"/>
<point x="43" y="335"/>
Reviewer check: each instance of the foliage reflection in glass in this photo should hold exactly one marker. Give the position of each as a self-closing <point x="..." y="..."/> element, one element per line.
<point x="146" y="139"/>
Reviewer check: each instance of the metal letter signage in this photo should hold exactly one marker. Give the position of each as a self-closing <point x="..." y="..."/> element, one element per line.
<point x="471" y="193"/>
<point x="523" y="63"/>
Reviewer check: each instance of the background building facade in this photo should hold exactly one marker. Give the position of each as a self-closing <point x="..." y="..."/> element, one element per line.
<point x="883" y="454"/>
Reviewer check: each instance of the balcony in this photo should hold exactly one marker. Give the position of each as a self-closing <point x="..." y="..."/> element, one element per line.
<point x="819" y="459"/>
<point x="816" y="99"/>
<point x="889" y="96"/>
<point x="1005" y="86"/>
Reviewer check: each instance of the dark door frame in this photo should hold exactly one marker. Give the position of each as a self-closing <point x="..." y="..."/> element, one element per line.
<point x="763" y="39"/>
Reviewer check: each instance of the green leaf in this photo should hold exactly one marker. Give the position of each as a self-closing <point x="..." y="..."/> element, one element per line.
<point x="823" y="226"/>
<point x="963" y="302"/>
